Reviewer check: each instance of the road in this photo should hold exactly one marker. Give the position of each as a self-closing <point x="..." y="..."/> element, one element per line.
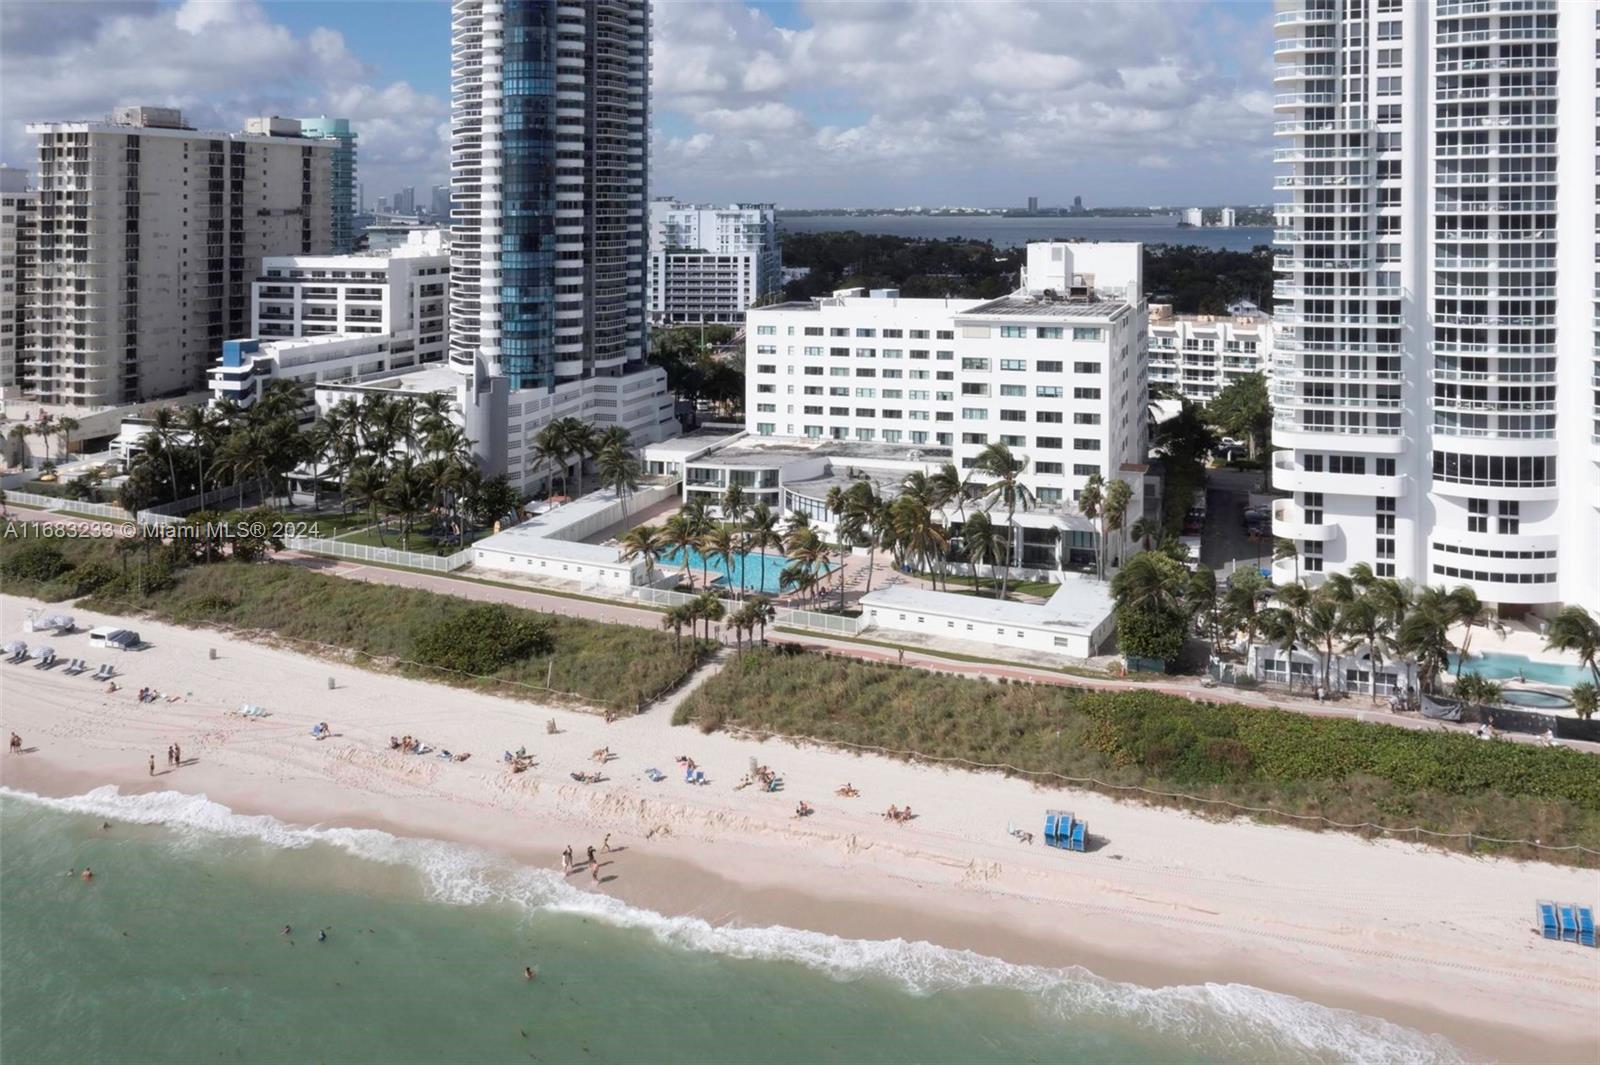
<point x="1223" y="541"/>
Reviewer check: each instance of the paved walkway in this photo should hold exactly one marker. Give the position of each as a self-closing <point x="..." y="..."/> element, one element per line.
<point x="620" y="614"/>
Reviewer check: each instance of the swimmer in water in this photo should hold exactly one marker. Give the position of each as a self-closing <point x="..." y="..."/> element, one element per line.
<point x="286" y="930"/>
<point x="527" y="972"/>
<point x="88" y="874"/>
<point x="322" y="935"/>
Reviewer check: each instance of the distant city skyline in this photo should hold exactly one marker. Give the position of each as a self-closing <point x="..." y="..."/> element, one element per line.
<point x="806" y="104"/>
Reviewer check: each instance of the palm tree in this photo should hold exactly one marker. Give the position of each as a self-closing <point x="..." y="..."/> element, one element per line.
<point x="66" y="426"/>
<point x="579" y="437"/>
<point x="1474" y="689"/>
<point x="949" y="487"/>
<point x="550" y="452"/>
<point x="406" y="493"/>
<point x="1146" y="531"/>
<point x="921" y="537"/>
<point x="721" y="543"/>
<point x="619" y="471"/>
<point x="1575" y="629"/>
<point x="1247" y="590"/>
<point x="1201" y="599"/>
<point x="806" y="550"/>
<point x="680" y="534"/>
<point x="1320" y="627"/>
<point x="1424" y="635"/>
<point x="1364" y="623"/>
<point x="710" y="609"/>
<point x="675" y="619"/>
<point x="164" y="428"/>
<point x="697" y="512"/>
<point x="43" y="428"/>
<point x="762" y="612"/>
<point x="1584" y="695"/>
<point x="1114" y="510"/>
<point x="1091" y="500"/>
<point x="1006" y="469"/>
<point x="18" y="436"/>
<point x="366" y="487"/>
<point x="643" y="541"/>
<point x="1283" y="548"/>
<point x="1469" y="611"/>
<point x="760" y="533"/>
<point x="199" y="424"/>
<point x="981" y="542"/>
<point x="734" y="505"/>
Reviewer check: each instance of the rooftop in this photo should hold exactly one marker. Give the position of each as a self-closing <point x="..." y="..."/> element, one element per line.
<point x="1019" y="305"/>
<point x="767" y="450"/>
<point x="1079" y="606"/>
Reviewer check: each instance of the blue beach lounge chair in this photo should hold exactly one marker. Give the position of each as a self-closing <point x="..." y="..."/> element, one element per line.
<point x="1586" y="925"/>
<point x="1050" y="830"/>
<point x="1080" y="835"/>
<point x="1547" y="921"/>
<point x="1569" y="924"/>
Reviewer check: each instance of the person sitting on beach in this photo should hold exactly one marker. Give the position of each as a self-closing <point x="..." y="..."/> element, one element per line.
<point x="602" y="755"/>
<point x="803" y="810"/>
<point x="848" y="791"/>
<point x="893" y="813"/>
<point x="394" y="743"/>
<point x="906" y="814"/>
<point x="745" y="782"/>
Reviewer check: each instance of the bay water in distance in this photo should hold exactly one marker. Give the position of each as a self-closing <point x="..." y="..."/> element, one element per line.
<point x="1015" y="232"/>
<point x="175" y="953"/>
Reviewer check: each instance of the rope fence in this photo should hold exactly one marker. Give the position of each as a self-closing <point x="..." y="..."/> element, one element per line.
<point x="1094" y="782"/>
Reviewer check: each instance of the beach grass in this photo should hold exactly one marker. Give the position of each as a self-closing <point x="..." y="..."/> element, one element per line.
<point x="1199" y="754"/>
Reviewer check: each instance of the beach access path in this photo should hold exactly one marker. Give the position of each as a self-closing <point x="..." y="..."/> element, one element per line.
<point x="1434" y="940"/>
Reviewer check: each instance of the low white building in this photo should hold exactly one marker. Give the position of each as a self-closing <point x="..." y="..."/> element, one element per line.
<point x="550" y="545"/>
<point x="1199" y="355"/>
<point x="1075" y="622"/>
<point x="247" y="365"/>
<point x="708" y="263"/>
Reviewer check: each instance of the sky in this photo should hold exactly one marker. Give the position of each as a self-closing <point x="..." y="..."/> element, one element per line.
<point x="806" y="103"/>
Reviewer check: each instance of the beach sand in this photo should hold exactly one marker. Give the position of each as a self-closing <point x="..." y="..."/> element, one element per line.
<point x="1436" y="941"/>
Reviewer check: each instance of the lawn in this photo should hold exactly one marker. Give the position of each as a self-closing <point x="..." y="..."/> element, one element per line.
<point x="960" y="585"/>
<point x="1336" y="768"/>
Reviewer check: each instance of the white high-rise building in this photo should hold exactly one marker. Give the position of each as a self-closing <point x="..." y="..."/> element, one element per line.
<point x="1227" y="217"/>
<point x="1192" y="216"/>
<point x="19" y="206"/>
<point x="149" y="234"/>
<point x="1435" y="373"/>
<point x="709" y="263"/>
<point x="548" y="244"/>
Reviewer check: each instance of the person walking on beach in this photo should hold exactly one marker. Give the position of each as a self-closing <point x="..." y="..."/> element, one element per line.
<point x="169" y="756"/>
<point x="594" y="872"/>
<point x="16" y="744"/>
<point x="566" y="860"/>
<point x="152" y="765"/>
<point x="177" y="754"/>
<point x="605" y="844"/>
<point x="591" y="854"/>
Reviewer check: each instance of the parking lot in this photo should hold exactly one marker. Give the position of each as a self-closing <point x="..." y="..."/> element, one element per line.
<point x="1224" y="540"/>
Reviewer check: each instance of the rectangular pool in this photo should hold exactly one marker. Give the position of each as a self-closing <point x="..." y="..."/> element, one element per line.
<point x="1495" y="665"/>
<point x="758" y="571"/>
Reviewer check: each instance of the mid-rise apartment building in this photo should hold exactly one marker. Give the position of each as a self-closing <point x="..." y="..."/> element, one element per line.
<point x="149" y="235"/>
<point x="396" y="291"/>
<point x="1435" y="368"/>
<point x="342" y="173"/>
<point x="19" y="206"/>
<point x="1198" y="355"/>
<point x="708" y="263"/>
<point x="1055" y="370"/>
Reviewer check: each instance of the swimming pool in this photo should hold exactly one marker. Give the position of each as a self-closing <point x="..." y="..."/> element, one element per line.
<point x="1498" y="666"/>
<point x="759" y="571"/>
<point x="1535" y="700"/>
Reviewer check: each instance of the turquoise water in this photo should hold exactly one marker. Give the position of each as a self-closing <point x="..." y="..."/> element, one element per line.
<point x="758" y="571"/>
<point x="1534" y="700"/>
<point x="1497" y="666"/>
<point x="173" y="953"/>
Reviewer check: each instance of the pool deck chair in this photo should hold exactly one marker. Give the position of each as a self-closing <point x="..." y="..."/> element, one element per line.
<point x="1548" y="926"/>
<point x="1569" y="924"/>
<point x="1050" y="829"/>
<point x="1080" y="836"/>
<point x="1585" y="925"/>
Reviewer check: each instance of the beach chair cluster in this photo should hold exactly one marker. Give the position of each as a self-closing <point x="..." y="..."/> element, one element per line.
<point x="249" y="710"/>
<point x="1062" y="830"/>
<point x="1567" y="922"/>
<point x="18" y="652"/>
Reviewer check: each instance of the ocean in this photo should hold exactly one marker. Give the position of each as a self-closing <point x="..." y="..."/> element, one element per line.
<point x="174" y="953"/>
<point x="1015" y="232"/>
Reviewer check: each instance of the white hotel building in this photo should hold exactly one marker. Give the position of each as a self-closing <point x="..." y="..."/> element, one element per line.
<point x="708" y="263"/>
<point x="1055" y="370"/>
<point x="1198" y="355"/>
<point x="1436" y="381"/>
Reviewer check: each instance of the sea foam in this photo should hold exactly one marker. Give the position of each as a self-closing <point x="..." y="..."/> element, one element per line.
<point x="1218" y="1019"/>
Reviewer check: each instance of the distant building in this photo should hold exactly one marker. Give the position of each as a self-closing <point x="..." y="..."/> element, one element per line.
<point x="1033" y="203"/>
<point x="1192" y="216"/>
<point x="1077" y="204"/>
<point x="344" y="174"/>
<point x="439" y="202"/>
<point x="1199" y="355"/>
<point x="19" y="206"/>
<point x="405" y="201"/>
<point x="136" y="305"/>
<point x="708" y="263"/>
<point x="388" y="235"/>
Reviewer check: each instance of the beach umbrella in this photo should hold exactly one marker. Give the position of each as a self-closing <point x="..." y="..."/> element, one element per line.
<point x="44" y="652"/>
<point x="14" y="647"/>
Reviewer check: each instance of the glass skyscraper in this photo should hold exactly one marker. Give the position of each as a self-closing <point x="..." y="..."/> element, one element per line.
<point x="344" y="175"/>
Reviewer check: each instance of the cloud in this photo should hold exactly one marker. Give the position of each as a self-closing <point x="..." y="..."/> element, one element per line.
<point x="928" y="101"/>
<point x="220" y="63"/>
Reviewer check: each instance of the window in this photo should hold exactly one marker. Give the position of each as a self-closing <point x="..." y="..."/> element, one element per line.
<point x="837" y="331"/>
<point x="1050" y="495"/>
<point x="1013" y="331"/>
<point x="1510" y="517"/>
<point x="1477" y="515"/>
<point x="974" y="364"/>
<point x="866" y="353"/>
<point x="1086" y="367"/>
<point x="1013" y="390"/>
<point x="1385" y="467"/>
<point x="766" y="367"/>
<point x="1020" y="365"/>
<point x="892" y="333"/>
<point x="974" y="388"/>
<point x="866" y="371"/>
<point x="974" y="414"/>
<point x="767" y="389"/>
<point x="1048" y="391"/>
<point x="813" y="330"/>
<point x="1013" y="441"/>
<point x="944" y="334"/>
<point x="919" y="353"/>
<point x="918" y="334"/>
<point x="839" y="353"/>
<point x="813" y="371"/>
<point x="891" y="353"/>
<point x="975" y="438"/>
<point x="766" y="408"/>
<point x="1085" y="393"/>
<point x="866" y="332"/>
<point x="766" y="330"/>
<point x="1048" y="366"/>
<point x="1085" y="469"/>
<point x="1048" y="467"/>
<point x="813" y="351"/>
<point x="1088" y="332"/>
<point x="1047" y="443"/>
<point x="1049" y="417"/>
<point x="866" y="393"/>
<point x="1085" y="443"/>
<point x="1013" y="415"/>
<point x="1048" y="332"/>
<point x="1080" y="418"/>
<point x="944" y="356"/>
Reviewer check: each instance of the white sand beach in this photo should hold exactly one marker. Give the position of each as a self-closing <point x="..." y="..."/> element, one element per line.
<point x="1437" y="941"/>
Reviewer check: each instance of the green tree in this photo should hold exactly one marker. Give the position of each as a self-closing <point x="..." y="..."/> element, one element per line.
<point x="980" y="541"/>
<point x="680" y="534"/>
<point x="1151" y="615"/>
<point x="480" y="640"/>
<point x="642" y="542"/>
<point x="1006" y="487"/>
<point x="1114" y="511"/>
<point x="1583" y="695"/>
<point x="1574" y="629"/>
<point x="1243" y="409"/>
<point x="620" y="471"/>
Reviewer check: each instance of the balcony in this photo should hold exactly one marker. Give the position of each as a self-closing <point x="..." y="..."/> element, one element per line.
<point x="1289" y="522"/>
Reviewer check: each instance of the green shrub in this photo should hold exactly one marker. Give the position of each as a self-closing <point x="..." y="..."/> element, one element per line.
<point x="480" y="640"/>
<point x="39" y="562"/>
<point x="90" y="577"/>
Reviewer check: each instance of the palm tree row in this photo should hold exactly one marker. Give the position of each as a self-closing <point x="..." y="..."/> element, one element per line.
<point x="563" y="446"/>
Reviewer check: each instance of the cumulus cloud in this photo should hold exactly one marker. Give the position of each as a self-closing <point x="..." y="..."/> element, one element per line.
<point x="220" y="63"/>
<point x="936" y="101"/>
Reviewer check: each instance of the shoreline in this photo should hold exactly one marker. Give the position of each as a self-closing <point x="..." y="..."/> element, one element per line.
<point x="1172" y="899"/>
